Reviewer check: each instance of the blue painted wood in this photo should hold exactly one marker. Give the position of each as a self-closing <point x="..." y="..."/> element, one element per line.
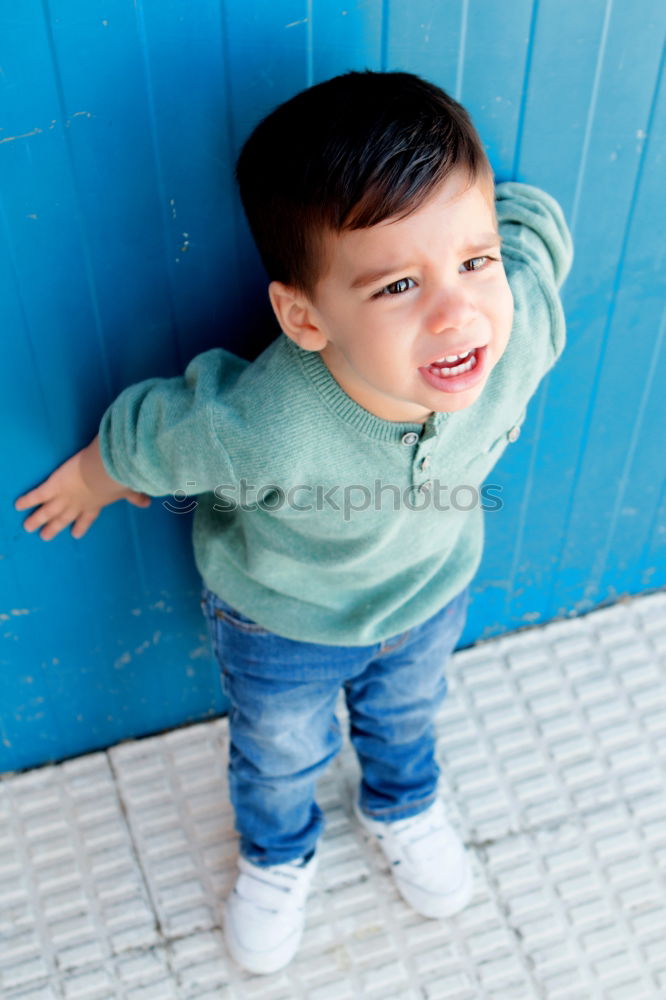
<point x="599" y="135"/>
<point x="124" y="253"/>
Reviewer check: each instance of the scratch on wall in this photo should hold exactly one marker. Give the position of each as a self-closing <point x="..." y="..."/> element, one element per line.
<point x="38" y="131"/>
<point x="25" y="135"/>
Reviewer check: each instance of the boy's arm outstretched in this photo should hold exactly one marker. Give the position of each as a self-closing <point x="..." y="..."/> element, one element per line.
<point x="75" y="492"/>
<point x="158" y="436"/>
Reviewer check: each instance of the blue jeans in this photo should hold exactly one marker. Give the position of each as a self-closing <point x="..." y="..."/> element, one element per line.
<point x="283" y="730"/>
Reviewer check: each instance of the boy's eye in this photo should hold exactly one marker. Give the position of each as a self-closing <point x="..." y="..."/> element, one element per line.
<point x="405" y="284"/>
<point x="396" y="288"/>
<point x="473" y="260"/>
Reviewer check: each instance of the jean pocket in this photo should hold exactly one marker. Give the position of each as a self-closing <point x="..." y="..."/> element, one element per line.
<point x="231" y="616"/>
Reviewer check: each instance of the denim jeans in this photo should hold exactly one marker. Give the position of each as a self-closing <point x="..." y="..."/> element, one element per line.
<point x="283" y="730"/>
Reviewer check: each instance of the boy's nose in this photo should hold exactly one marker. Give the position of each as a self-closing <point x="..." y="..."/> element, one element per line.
<point x="450" y="312"/>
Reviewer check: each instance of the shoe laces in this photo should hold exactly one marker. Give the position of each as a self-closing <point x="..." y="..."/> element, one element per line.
<point x="273" y="887"/>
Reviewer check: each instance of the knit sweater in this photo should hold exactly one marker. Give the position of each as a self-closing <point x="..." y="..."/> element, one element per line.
<point x="315" y="518"/>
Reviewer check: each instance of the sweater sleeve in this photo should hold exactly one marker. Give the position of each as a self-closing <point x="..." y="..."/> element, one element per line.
<point x="537" y="240"/>
<point x="158" y="437"/>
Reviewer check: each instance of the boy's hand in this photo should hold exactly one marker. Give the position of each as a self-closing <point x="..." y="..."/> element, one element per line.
<point x="76" y="491"/>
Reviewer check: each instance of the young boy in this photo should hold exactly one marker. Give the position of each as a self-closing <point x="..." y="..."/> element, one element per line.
<point x="414" y="332"/>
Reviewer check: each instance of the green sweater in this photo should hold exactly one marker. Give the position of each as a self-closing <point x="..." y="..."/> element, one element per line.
<point x="341" y="535"/>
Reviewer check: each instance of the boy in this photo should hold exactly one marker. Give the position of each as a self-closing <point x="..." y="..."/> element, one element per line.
<point x="413" y="336"/>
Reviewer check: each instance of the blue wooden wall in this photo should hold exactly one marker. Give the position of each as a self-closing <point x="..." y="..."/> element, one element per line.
<point x="123" y="253"/>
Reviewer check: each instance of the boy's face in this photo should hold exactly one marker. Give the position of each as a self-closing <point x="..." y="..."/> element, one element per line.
<point x="439" y="289"/>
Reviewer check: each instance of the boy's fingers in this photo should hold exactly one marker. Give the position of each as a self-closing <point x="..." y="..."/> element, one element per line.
<point x="46" y="514"/>
<point x="32" y="523"/>
<point x="56" y="524"/>
<point x="49" y="532"/>
<point x="139" y="499"/>
<point x="31" y="498"/>
<point x="24" y="502"/>
<point x="82" y="525"/>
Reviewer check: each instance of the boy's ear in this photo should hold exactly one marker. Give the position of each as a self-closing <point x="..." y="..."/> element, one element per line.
<point x="297" y="316"/>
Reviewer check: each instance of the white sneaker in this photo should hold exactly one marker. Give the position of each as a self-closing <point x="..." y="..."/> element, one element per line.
<point x="428" y="860"/>
<point x="265" y="912"/>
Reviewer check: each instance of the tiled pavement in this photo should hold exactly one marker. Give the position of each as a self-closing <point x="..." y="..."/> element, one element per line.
<point x="553" y="752"/>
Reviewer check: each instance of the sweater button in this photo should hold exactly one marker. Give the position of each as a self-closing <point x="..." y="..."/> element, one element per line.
<point x="411" y="437"/>
<point x="514" y="433"/>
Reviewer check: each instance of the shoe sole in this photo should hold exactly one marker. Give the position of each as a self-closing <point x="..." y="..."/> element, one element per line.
<point x="261" y="963"/>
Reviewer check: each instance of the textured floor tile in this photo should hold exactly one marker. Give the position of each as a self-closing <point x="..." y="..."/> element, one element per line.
<point x="71" y="891"/>
<point x="552" y="747"/>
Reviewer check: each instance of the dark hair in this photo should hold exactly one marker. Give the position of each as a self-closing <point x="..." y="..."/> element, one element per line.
<point x="347" y="154"/>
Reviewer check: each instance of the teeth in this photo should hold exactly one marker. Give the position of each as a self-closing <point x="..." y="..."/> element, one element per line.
<point x="450" y="358"/>
<point x="458" y="370"/>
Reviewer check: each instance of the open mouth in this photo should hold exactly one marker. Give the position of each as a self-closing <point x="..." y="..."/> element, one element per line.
<point x="455" y="364"/>
<point x="457" y="372"/>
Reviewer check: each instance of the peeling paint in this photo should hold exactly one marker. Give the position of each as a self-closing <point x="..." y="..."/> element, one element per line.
<point x="196" y="654"/>
<point x="25" y="135"/>
<point x="38" y="131"/>
<point x="162" y="606"/>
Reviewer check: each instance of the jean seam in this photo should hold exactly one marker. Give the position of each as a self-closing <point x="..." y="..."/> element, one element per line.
<point x="251" y="627"/>
<point x="390" y="648"/>
<point x="392" y="810"/>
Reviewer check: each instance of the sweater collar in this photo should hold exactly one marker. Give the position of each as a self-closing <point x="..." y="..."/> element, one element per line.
<point x="316" y="371"/>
